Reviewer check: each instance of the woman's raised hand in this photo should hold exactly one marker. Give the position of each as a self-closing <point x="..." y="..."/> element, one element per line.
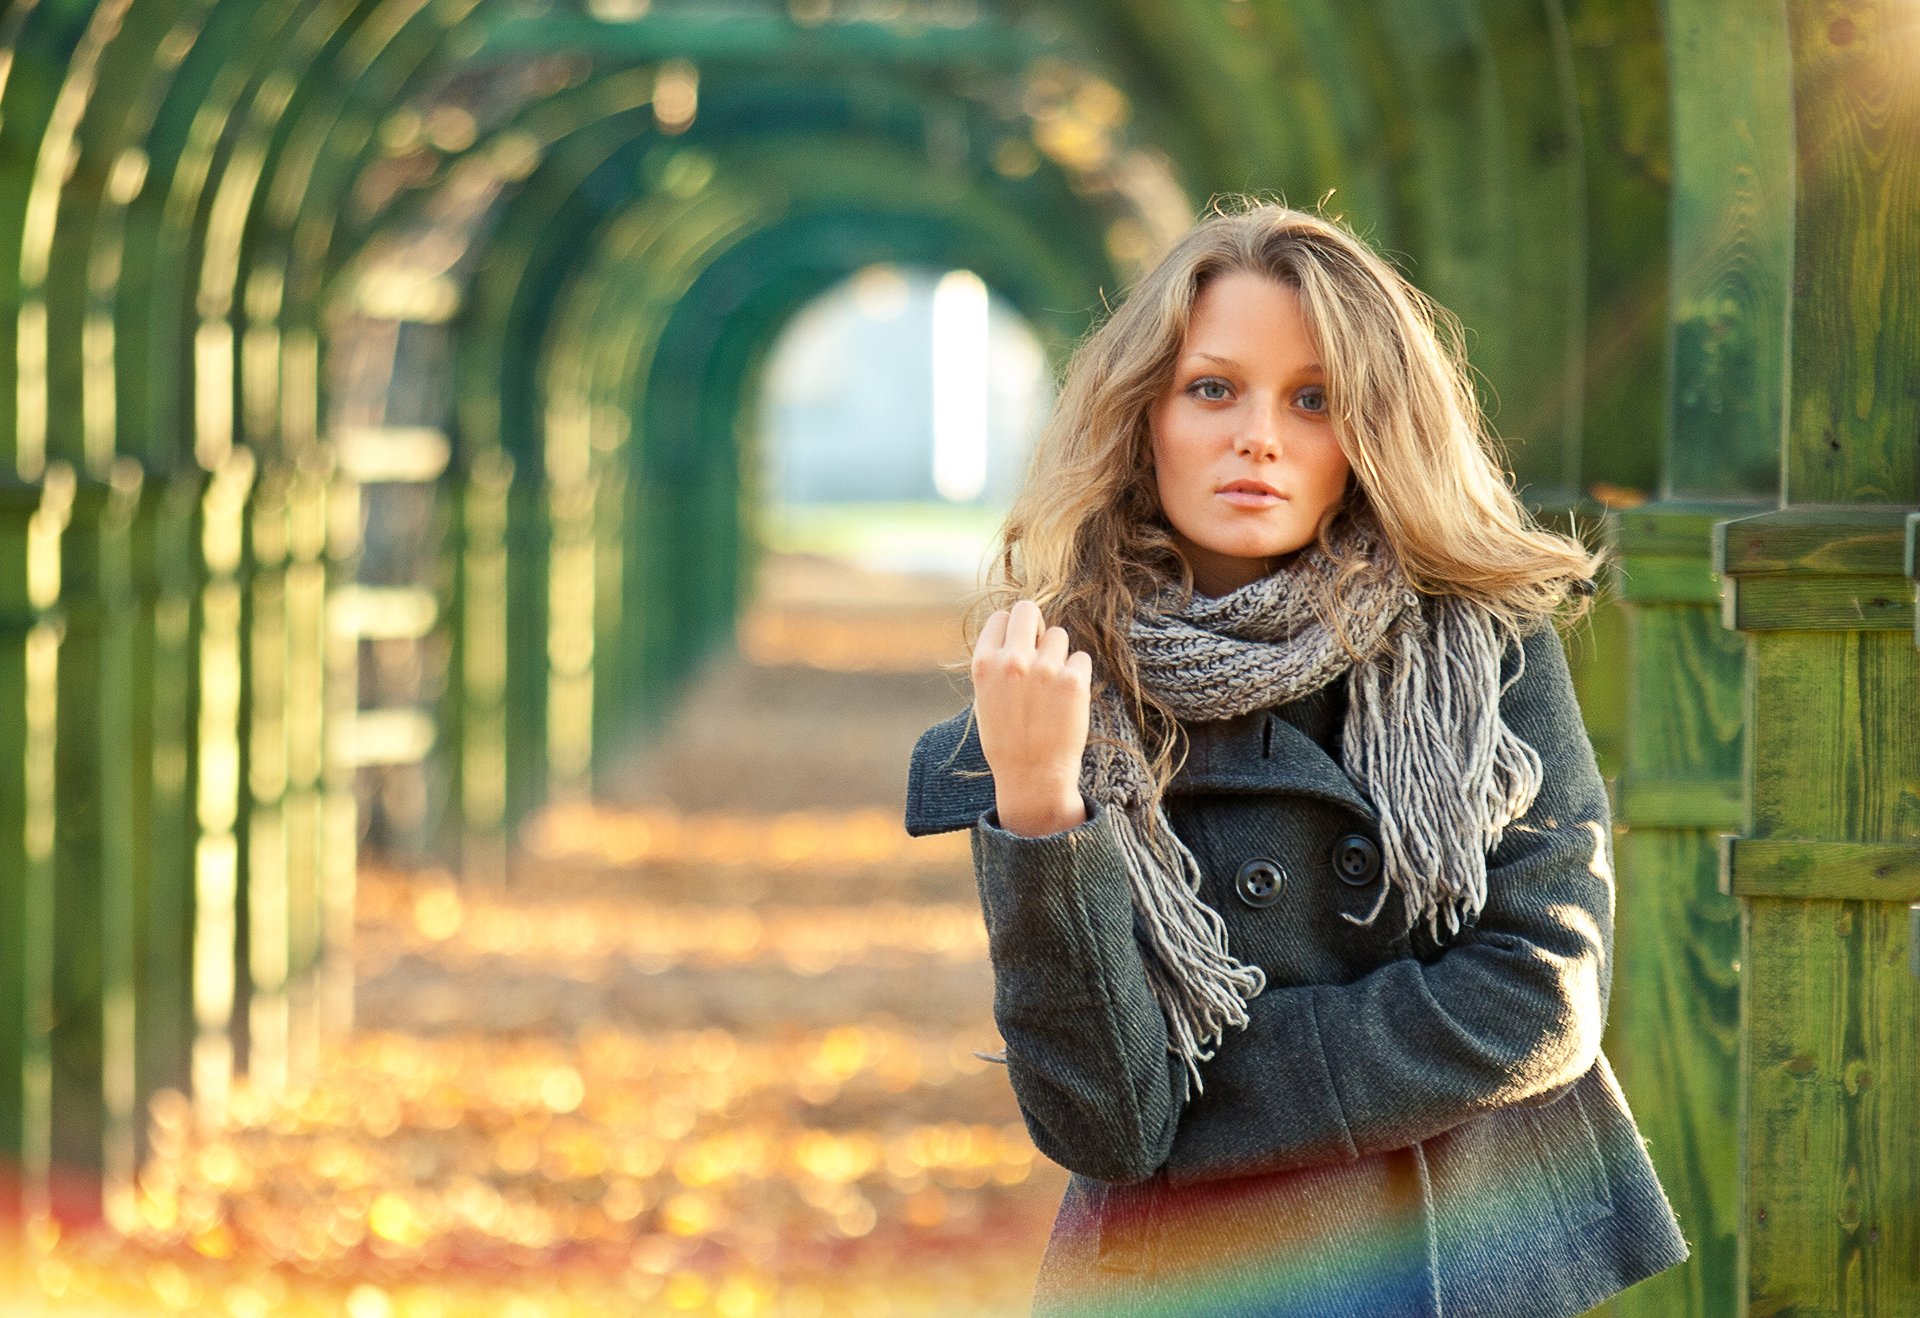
<point x="1031" y="700"/>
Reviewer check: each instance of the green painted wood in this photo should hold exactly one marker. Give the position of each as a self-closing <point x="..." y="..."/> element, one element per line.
<point x="261" y="1015"/>
<point x="303" y="802"/>
<point x="1790" y="603"/>
<point x="1822" y="568"/>
<point x="1673" y="1014"/>
<point x="339" y="804"/>
<point x="1710" y="804"/>
<point x="1481" y="121"/>
<point x="33" y="518"/>
<point x="90" y="921"/>
<point x="218" y="768"/>
<point x="1832" y="1059"/>
<point x="1669" y="579"/>
<point x="1675" y="1007"/>
<point x="1850" y="426"/>
<point x="165" y="558"/>
<point x="44" y="39"/>
<point x="477" y="695"/>
<point x="1849" y="541"/>
<point x="1499" y="223"/>
<point x="1672" y="1036"/>
<point x="1797" y="867"/>
<point x="1733" y="160"/>
<point x="1614" y="54"/>
<point x="1663" y="550"/>
<point x="1600" y="682"/>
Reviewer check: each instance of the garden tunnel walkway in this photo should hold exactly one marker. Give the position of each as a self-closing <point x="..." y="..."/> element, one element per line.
<point x="376" y="393"/>
<point x="712" y="1052"/>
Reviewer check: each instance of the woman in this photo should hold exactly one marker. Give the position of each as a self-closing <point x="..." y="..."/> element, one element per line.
<point x="1295" y="862"/>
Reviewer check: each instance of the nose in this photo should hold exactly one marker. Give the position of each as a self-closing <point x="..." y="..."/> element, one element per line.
<point x="1261" y="435"/>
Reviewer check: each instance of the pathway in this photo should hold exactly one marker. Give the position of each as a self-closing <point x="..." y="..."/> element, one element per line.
<point x="710" y="1052"/>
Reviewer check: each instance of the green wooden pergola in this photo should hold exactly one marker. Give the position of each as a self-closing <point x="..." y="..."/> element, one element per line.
<point x="432" y="328"/>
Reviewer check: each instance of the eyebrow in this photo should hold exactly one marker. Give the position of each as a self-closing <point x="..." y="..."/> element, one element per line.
<point x="1313" y="368"/>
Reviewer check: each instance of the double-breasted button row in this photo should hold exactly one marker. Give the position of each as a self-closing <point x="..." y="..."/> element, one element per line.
<point x="1356" y="859"/>
<point x="1262" y="880"/>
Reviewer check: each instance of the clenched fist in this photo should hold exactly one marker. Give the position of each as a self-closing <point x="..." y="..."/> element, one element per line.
<point x="1031" y="698"/>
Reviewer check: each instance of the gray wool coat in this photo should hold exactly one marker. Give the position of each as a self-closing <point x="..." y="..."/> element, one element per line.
<point x="1405" y="1128"/>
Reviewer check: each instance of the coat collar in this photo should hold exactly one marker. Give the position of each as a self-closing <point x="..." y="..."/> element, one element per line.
<point x="1283" y="750"/>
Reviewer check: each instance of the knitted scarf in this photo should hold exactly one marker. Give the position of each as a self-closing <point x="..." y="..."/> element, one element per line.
<point x="1423" y="741"/>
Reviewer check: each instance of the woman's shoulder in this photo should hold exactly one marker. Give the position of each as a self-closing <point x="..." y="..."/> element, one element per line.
<point x="948" y="783"/>
<point x="1534" y="667"/>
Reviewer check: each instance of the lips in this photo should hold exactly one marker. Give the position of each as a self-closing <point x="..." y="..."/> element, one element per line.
<point x="1249" y="494"/>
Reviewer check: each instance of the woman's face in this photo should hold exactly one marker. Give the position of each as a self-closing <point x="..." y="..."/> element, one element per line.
<point x="1244" y="452"/>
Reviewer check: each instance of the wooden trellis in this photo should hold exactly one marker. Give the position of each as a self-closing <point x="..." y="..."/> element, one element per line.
<point x="341" y="333"/>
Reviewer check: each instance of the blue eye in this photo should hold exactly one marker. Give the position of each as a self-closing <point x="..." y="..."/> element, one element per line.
<point x="1317" y="391"/>
<point x="1209" y="381"/>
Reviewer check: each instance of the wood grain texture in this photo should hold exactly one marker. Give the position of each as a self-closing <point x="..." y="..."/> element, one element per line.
<point x="1833" y="752"/>
<point x="1497" y="224"/>
<point x="1672" y="1021"/>
<point x="1833" y="1057"/>
<point x="1733" y="158"/>
<point x="1617" y="60"/>
<point x="1672" y="1035"/>
<point x="1775" y="603"/>
<point x="1855" y="326"/>
<point x="1791" y="867"/>
<point x="1865" y="541"/>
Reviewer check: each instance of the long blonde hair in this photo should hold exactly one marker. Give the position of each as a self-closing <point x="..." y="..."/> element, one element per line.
<point x="1086" y="537"/>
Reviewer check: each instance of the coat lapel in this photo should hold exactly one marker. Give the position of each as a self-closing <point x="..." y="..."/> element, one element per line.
<point x="1268" y="751"/>
<point x="950" y="787"/>
<point x="948" y="783"/>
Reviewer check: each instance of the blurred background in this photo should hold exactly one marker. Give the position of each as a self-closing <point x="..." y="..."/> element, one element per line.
<point x="486" y="489"/>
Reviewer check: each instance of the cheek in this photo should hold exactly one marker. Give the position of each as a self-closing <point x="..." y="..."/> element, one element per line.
<point x="1166" y="465"/>
<point x="1333" y="472"/>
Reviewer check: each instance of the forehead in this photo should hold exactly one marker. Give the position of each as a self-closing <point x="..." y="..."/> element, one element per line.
<point x="1242" y="318"/>
<point x="1308" y="368"/>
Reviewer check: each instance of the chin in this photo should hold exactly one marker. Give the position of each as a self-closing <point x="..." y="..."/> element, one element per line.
<point x="1269" y="548"/>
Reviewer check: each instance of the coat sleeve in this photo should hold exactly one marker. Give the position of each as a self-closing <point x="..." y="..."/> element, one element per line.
<point x="1511" y="1012"/>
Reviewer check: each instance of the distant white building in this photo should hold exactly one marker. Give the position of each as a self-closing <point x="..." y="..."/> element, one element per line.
<point x="903" y="385"/>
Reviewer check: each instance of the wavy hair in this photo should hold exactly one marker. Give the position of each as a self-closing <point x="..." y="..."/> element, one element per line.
<point x="1086" y="538"/>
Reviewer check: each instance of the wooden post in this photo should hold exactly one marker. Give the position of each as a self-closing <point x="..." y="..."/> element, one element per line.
<point x="266" y="901"/>
<point x="90" y="1020"/>
<point x="164" y="668"/>
<point x="1828" y="862"/>
<point x="477" y="694"/>
<point x="1673" y="1022"/>
<point x="33" y="517"/>
<point x="218" y="787"/>
<point x="340" y="811"/>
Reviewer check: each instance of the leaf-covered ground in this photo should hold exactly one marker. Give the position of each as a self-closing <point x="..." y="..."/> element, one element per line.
<point x="709" y="1050"/>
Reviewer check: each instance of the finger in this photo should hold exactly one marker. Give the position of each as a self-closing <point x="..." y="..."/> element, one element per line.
<point x="1080" y="663"/>
<point x="1053" y="645"/>
<point x="1023" y="625"/>
<point x="993" y="634"/>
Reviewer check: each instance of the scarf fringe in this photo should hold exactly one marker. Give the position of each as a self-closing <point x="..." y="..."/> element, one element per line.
<point x="1445" y="795"/>
<point x="1423" y="741"/>
<point x="1200" y="985"/>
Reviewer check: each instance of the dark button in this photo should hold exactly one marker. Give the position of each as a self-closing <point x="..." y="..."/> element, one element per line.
<point x="1259" y="881"/>
<point x="1356" y="859"/>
